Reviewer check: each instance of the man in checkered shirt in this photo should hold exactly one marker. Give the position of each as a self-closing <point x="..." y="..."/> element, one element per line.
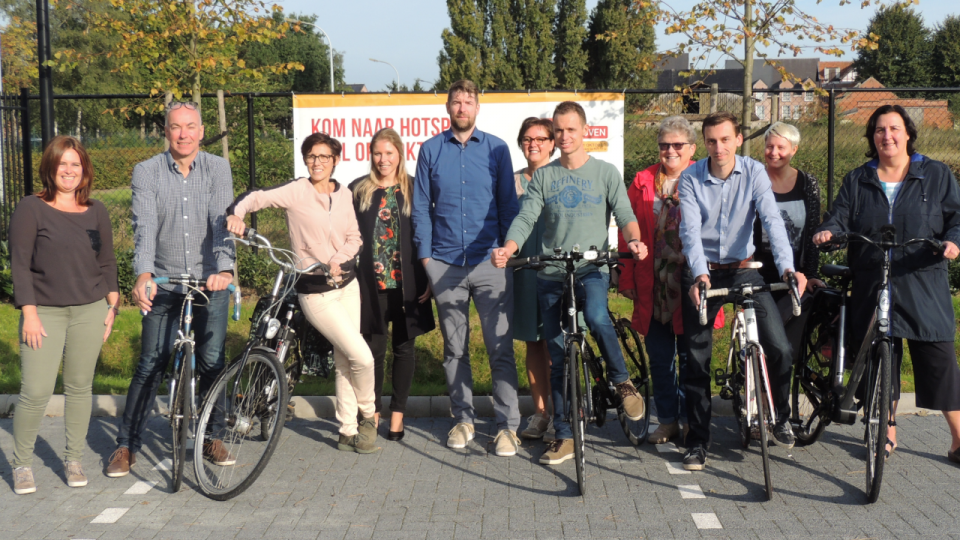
<point x="179" y="205"/>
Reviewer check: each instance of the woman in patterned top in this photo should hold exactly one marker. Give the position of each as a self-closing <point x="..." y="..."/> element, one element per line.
<point x="393" y="286"/>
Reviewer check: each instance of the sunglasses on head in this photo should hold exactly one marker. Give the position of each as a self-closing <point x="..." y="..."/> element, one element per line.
<point x="174" y="105"/>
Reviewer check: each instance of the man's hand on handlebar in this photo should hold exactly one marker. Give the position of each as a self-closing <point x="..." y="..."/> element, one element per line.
<point x="821" y="237"/>
<point x="638" y="248"/>
<point x="500" y="256"/>
<point x="695" y="290"/>
<point x="801" y="280"/>
<point x="235" y="225"/>
<point x="950" y="250"/>
<point x="141" y="297"/>
<point x="218" y="282"/>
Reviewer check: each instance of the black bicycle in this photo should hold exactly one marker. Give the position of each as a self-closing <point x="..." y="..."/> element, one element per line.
<point x="587" y="398"/>
<point x="820" y="370"/>
<point x="746" y="380"/>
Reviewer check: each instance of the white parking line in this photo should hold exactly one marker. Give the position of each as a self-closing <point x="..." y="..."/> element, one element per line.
<point x="141" y="487"/>
<point x="110" y="515"/>
<point x="667" y="447"/>
<point x="707" y="521"/>
<point x="164" y="465"/>
<point x="676" y="468"/>
<point x="692" y="491"/>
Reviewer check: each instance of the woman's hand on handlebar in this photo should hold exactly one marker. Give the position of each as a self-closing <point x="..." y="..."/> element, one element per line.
<point x="236" y="225"/>
<point x="695" y="290"/>
<point x="814" y="284"/>
<point x="335" y="271"/>
<point x="821" y="237"/>
<point x="950" y="250"/>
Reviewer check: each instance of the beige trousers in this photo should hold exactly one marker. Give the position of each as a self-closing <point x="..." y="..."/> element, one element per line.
<point x="336" y="315"/>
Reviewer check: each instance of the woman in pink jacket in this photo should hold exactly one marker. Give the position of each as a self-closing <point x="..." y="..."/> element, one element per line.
<point x="654" y="283"/>
<point x="323" y="227"/>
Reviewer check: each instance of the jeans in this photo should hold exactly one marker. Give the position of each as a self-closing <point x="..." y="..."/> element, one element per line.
<point x="699" y="340"/>
<point x="158" y="333"/>
<point x="668" y="393"/>
<point x="593" y="288"/>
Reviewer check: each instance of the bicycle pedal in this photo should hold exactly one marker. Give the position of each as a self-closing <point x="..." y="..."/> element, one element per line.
<point x="726" y="393"/>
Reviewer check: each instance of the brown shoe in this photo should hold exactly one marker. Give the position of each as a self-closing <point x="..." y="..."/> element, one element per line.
<point x="664" y="433"/>
<point x="215" y="451"/>
<point x="120" y="462"/>
<point x="954" y="456"/>
<point x="633" y="404"/>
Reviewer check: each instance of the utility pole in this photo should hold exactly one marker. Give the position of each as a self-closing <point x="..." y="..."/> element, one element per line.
<point x="46" y="73"/>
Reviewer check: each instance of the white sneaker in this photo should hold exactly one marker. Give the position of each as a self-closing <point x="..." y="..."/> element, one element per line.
<point x="507" y="443"/>
<point x="460" y="435"/>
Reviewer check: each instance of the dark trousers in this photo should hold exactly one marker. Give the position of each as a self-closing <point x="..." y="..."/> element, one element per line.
<point x="404" y="357"/>
<point x="157" y="336"/>
<point x="699" y="338"/>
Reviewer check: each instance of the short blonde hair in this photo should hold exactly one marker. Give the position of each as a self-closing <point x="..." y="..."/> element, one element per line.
<point x="788" y="132"/>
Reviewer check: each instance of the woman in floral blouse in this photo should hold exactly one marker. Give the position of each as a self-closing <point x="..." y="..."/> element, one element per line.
<point x="394" y="289"/>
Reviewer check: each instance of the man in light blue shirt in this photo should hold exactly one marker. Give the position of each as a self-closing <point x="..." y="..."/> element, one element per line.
<point x="720" y="198"/>
<point x="464" y="200"/>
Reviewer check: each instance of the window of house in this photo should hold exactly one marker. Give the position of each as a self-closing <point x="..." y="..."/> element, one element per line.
<point x="808" y="96"/>
<point x="786" y="112"/>
<point x="761" y="112"/>
<point x="760" y="96"/>
<point x="796" y="112"/>
<point x="785" y="97"/>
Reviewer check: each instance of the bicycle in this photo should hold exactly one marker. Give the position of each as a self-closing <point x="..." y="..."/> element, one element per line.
<point x="821" y="376"/>
<point x="745" y="380"/>
<point x="588" y="398"/>
<point x="253" y="392"/>
<point x="182" y="380"/>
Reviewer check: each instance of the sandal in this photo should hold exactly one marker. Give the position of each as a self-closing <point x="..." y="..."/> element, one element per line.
<point x="890" y="443"/>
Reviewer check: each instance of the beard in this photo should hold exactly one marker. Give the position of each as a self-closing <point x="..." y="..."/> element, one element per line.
<point x="463" y="125"/>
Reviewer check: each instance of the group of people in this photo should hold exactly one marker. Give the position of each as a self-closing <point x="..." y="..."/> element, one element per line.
<point x="394" y="240"/>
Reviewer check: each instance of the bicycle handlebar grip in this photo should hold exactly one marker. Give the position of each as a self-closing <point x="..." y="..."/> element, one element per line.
<point x="795" y="295"/>
<point x="703" y="303"/>
<point x="236" y="303"/>
<point x="143" y="312"/>
<point x="521" y="261"/>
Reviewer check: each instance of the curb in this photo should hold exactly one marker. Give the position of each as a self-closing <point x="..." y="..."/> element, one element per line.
<point x="417" y="406"/>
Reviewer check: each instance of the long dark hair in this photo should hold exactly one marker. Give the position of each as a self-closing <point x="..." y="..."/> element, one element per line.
<point x="907" y="124"/>
<point x="50" y="162"/>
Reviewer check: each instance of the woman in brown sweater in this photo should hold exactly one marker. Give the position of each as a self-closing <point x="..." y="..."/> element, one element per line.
<point x="323" y="227"/>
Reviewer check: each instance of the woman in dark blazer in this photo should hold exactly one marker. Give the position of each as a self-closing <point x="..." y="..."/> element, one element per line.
<point x="394" y="289"/>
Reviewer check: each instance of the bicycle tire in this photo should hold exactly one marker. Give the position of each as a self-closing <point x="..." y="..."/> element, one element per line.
<point x="593" y="410"/>
<point x="738" y="385"/>
<point x="762" y="420"/>
<point x="180" y="415"/>
<point x="810" y="387"/>
<point x="635" y="430"/>
<point x="577" y="416"/>
<point x="261" y="392"/>
<point x="878" y="415"/>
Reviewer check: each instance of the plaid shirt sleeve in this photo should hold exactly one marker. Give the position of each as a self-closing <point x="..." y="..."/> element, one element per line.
<point x="144" y="208"/>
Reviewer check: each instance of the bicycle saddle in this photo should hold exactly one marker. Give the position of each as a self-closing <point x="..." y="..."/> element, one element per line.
<point x="835" y="270"/>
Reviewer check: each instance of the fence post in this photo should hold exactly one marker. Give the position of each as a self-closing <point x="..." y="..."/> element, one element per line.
<point x="221" y="112"/>
<point x="27" y="150"/>
<point x="714" y="91"/>
<point x="167" y="98"/>
<point x="831" y="144"/>
<point x="251" y="154"/>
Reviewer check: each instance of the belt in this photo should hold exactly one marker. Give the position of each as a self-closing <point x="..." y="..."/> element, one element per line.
<point x="746" y="263"/>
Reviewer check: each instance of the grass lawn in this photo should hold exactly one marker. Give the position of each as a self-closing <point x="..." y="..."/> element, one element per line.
<point x="119" y="355"/>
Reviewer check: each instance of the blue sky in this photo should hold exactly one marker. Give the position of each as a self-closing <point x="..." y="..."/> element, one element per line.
<point x="407" y="33"/>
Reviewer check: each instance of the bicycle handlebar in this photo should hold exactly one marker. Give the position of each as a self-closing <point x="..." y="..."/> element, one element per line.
<point x="840" y="240"/>
<point x="197" y="283"/>
<point x="575" y="256"/>
<point x="748" y="289"/>
<point x="251" y="238"/>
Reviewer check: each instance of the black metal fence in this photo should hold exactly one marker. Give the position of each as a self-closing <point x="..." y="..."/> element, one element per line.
<point x="120" y="131"/>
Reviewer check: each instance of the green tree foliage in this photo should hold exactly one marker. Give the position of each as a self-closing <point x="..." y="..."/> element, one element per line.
<point x="570" y="57"/>
<point x="461" y="57"/>
<point x="500" y="55"/>
<point x="534" y="28"/>
<point x="945" y="54"/>
<point x="619" y="41"/>
<point x="901" y="57"/>
<point x="303" y="44"/>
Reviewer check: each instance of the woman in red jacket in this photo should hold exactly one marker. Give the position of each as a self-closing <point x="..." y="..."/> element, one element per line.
<point x="654" y="284"/>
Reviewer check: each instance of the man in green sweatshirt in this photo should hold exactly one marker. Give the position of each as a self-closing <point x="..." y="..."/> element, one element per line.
<point x="576" y="195"/>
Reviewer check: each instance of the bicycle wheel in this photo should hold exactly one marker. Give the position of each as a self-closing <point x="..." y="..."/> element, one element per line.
<point x="593" y="406"/>
<point x="762" y="417"/>
<point x="877" y="417"/>
<point x="256" y="389"/>
<point x="811" y="384"/>
<point x="577" y="416"/>
<point x="635" y="430"/>
<point x="738" y="387"/>
<point x="180" y="414"/>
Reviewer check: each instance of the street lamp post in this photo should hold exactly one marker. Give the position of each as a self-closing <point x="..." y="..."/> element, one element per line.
<point x="330" y="43"/>
<point x="394" y="69"/>
<point x="46" y="72"/>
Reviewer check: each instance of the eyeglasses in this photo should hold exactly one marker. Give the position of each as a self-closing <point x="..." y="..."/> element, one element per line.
<point x="677" y="146"/>
<point x="539" y="140"/>
<point x="174" y="105"/>
<point x="324" y="158"/>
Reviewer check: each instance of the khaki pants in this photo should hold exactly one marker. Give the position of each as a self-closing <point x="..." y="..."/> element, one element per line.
<point x="336" y="315"/>
<point x="74" y="335"/>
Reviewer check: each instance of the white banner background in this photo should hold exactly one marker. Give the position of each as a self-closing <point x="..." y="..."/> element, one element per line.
<point x="352" y="119"/>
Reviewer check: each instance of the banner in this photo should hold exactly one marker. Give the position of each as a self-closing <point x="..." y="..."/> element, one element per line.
<point x="352" y="119"/>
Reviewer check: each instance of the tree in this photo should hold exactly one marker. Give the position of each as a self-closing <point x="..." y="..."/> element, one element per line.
<point x="534" y="26"/>
<point x="570" y="58"/>
<point x="619" y="41"/>
<point x="902" y="56"/>
<point x="735" y="29"/>
<point x="18" y="45"/>
<point x="462" y="45"/>
<point x="500" y="53"/>
<point x="300" y="44"/>
<point x="186" y="47"/>
<point x="945" y="54"/>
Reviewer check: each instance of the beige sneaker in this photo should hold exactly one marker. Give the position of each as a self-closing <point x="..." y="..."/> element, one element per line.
<point x="74" y="473"/>
<point x="460" y="435"/>
<point x="23" y="481"/>
<point x="633" y="404"/>
<point x="557" y="452"/>
<point x="507" y="443"/>
<point x="536" y="426"/>
<point x="664" y="433"/>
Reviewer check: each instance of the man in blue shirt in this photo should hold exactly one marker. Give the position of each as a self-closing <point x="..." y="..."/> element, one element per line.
<point x="720" y="198"/>
<point x="464" y="200"/>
